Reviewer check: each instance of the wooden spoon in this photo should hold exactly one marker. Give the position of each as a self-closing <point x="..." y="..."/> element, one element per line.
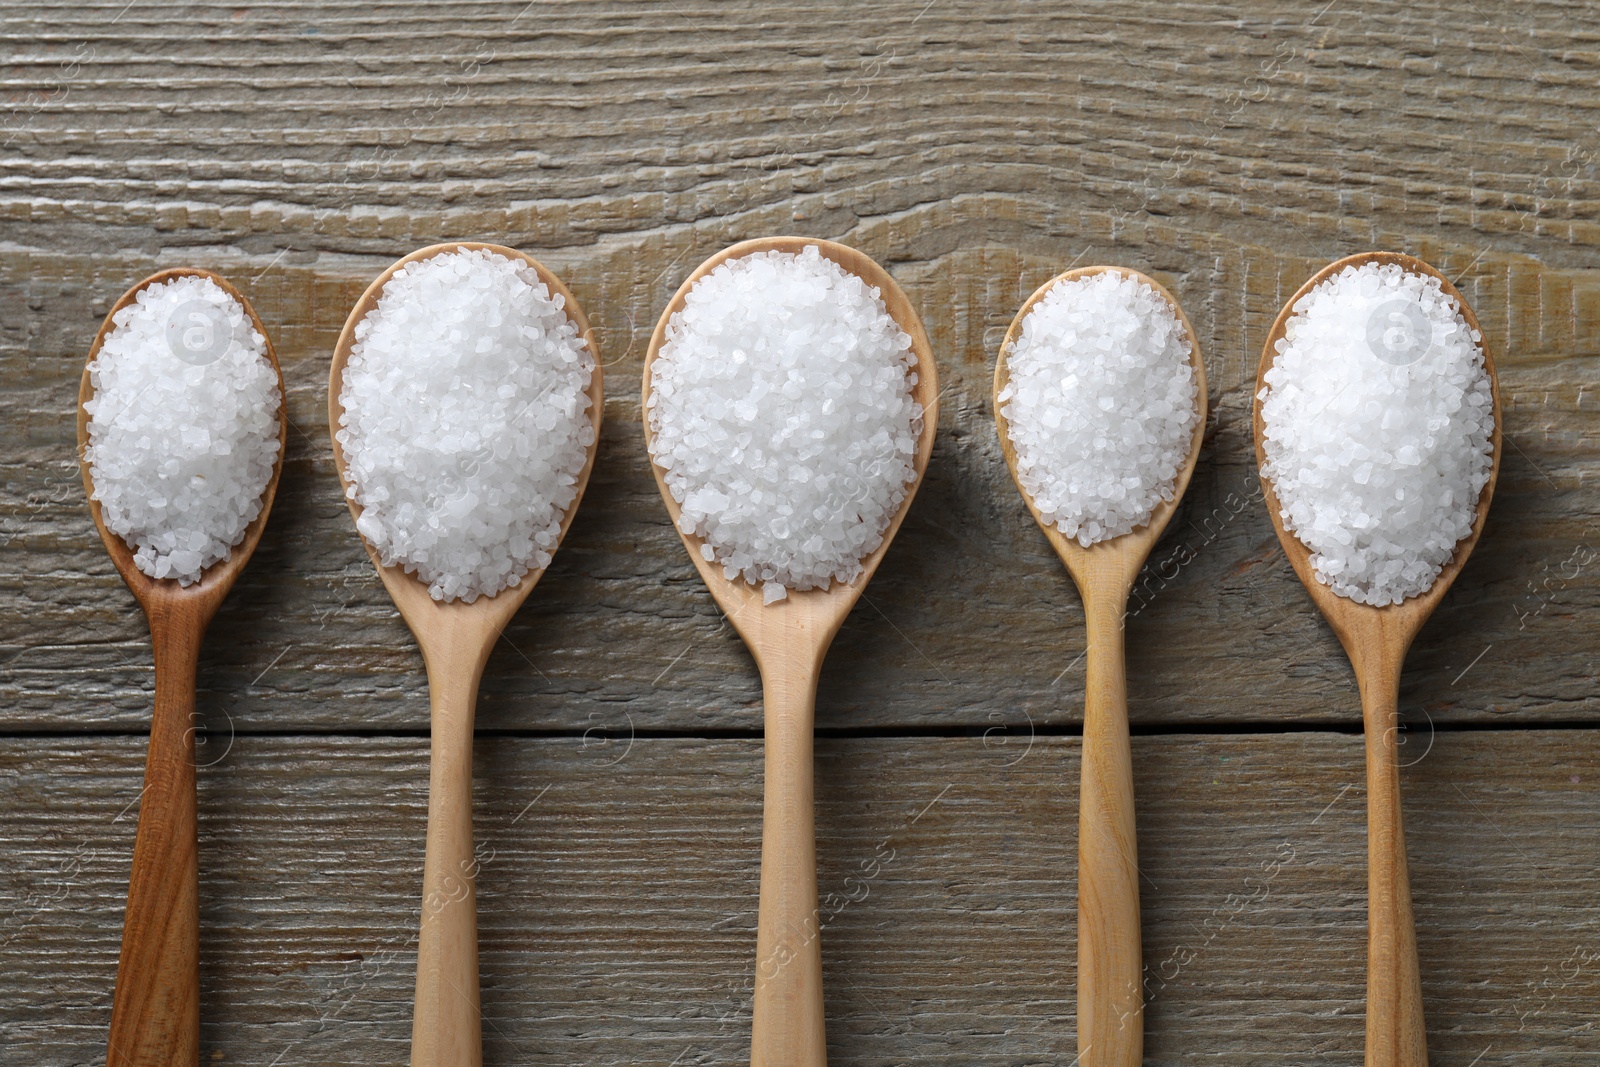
<point x="788" y="640"/>
<point x="1110" y="971"/>
<point x="455" y="638"/>
<point x="1376" y="640"/>
<point x="155" y="1009"/>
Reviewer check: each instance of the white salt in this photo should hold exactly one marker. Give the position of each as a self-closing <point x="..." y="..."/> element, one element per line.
<point x="183" y="426"/>
<point x="1378" y="420"/>
<point x="782" y="417"/>
<point x="1100" y="405"/>
<point x="466" y="422"/>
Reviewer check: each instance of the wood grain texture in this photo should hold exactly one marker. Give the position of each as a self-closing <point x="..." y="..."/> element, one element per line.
<point x="975" y="152"/>
<point x="617" y="897"/>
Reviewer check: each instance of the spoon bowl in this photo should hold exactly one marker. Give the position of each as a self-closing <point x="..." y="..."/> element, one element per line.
<point x="442" y="619"/>
<point x="155" y="1011"/>
<point x="1376" y="640"/>
<point x="1357" y="624"/>
<point x="161" y="593"/>
<point x="821" y="609"/>
<point x="1110" y="967"/>
<point x="1116" y="560"/>
<point x="455" y="638"/>
<point x="788" y="640"/>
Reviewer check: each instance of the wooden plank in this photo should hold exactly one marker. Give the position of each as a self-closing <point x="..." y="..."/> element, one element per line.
<point x="1228" y="153"/>
<point x="617" y="897"/>
<point x="970" y="616"/>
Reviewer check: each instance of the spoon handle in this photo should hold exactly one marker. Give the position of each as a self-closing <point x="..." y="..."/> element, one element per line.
<point x="445" y="1026"/>
<point x="155" y="1009"/>
<point x="1396" y="1033"/>
<point x="787" y="1022"/>
<point x="1110" y="975"/>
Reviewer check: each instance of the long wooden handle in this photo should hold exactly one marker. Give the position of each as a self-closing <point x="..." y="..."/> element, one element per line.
<point x="445" y="1028"/>
<point x="1110" y="967"/>
<point x="1396" y="1034"/>
<point x="155" y="1010"/>
<point x="787" y="1024"/>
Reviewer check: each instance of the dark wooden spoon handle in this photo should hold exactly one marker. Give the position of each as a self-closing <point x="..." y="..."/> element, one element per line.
<point x="155" y="1012"/>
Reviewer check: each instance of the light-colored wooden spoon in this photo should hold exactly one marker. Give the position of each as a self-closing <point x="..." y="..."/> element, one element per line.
<point x="1110" y="968"/>
<point x="1376" y="640"/>
<point x="788" y="640"/>
<point x="155" y="1009"/>
<point x="455" y="638"/>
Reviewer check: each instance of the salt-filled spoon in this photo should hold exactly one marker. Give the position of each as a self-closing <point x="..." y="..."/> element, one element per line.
<point x="1376" y="640"/>
<point x="456" y="638"/>
<point x="155" y="1011"/>
<point x="1110" y="969"/>
<point x="788" y="640"/>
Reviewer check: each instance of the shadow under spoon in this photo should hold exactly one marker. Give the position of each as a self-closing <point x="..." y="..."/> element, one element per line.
<point x="1110" y="967"/>
<point x="155" y="1009"/>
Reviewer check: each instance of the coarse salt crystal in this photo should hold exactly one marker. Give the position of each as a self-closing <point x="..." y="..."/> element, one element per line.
<point x="183" y="426"/>
<point x="782" y="417"/>
<point x="1100" y="404"/>
<point x="1379" y="421"/>
<point x="465" y="421"/>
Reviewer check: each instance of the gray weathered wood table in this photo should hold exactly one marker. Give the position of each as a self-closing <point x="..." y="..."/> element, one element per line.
<point x="975" y="150"/>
